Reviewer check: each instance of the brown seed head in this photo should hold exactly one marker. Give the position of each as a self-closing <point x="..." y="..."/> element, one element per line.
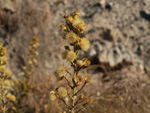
<point x="79" y="78"/>
<point x="87" y="79"/>
<point x="88" y="100"/>
<point x="81" y="97"/>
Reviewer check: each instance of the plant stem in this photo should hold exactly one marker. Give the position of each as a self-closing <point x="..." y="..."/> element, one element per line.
<point x="74" y="91"/>
<point x="74" y="85"/>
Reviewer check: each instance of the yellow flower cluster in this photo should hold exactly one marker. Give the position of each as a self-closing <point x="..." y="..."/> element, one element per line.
<point x="81" y="63"/>
<point x="74" y="26"/>
<point x="4" y="82"/>
<point x="75" y="23"/>
<point x="11" y="97"/>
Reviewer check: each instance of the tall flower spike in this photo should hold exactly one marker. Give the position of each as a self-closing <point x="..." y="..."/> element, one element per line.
<point x="74" y="26"/>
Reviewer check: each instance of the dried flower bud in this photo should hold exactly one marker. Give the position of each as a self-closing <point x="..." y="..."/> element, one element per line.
<point x="79" y="78"/>
<point x="52" y="96"/>
<point x="60" y="72"/>
<point x="3" y="60"/>
<point x="80" y="63"/>
<point x="87" y="63"/>
<point x="63" y="27"/>
<point x="8" y="73"/>
<point x="35" y="62"/>
<point x="87" y="79"/>
<point x="76" y="13"/>
<point x="69" y="20"/>
<point x="78" y="83"/>
<point x="81" y="97"/>
<point x="14" y="108"/>
<point x="71" y="37"/>
<point x="62" y="92"/>
<point x="36" y="53"/>
<point x="2" y="69"/>
<point x="2" y="50"/>
<point x="69" y="55"/>
<point x="84" y="44"/>
<point x="30" y="62"/>
<point x="88" y="100"/>
<point x="6" y="83"/>
<point x="79" y="25"/>
<point x="66" y="16"/>
<point x="11" y="97"/>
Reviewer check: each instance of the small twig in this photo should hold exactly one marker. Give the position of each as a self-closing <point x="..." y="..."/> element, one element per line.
<point x="82" y="108"/>
<point x="80" y="89"/>
<point x="64" y="102"/>
<point x="69" y="73"/>
<point x="68" y="82"/>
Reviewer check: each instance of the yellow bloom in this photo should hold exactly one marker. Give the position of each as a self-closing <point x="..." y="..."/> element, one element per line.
<point x="71" y="37"/>
<point x="63" y="27"/>
<point x="35" y="62"/>
<point x="11" y="97"/>
<point x="30" y="62"/>
<point x="2" y="51"/>
<point x="62" y="92"/>
<point x="80" y="63"/>
<point x="60" y="72"/>
<point x="3" y="60"/>
<point x="8" y="73"/>
<point x="6" y="83"/>
<point x="81" y="97"/>
<point x="87" y="62"/>
<point x="69" y="55"/>
<point x="84" y="44"/>
<point x="52" y="96"/>
<point x="2" y="69"/>
<point x="69" y="20"/>
<point x="79" y="25"/>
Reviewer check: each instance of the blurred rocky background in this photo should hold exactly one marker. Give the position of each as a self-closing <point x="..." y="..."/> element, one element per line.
<point x="119" y="32"/>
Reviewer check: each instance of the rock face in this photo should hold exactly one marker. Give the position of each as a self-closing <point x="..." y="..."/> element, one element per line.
<point x="114" y="55"/>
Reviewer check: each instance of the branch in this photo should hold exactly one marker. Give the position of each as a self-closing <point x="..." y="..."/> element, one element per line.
<point x="69" y="73"/>
<point x="64" y="102"/>
<point x="81" y="108"/>
<point x="68" y="82"/>
<point x="80" y="89"/>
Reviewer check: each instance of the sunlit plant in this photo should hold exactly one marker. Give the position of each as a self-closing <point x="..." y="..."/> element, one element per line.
<point x="6" y="98"/>
<point x="23" y="86"/>
<point x="74" y="26"/>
